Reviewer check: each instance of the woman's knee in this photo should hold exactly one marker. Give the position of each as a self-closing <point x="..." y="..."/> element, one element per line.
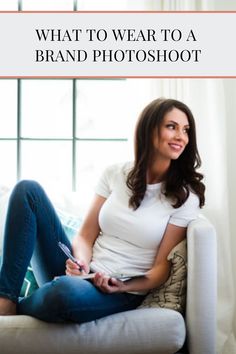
<point x="25" y="186"/>
<point x="49" y="302"/>
<point x="64" y="290"/>
<point x="26" y="189"/>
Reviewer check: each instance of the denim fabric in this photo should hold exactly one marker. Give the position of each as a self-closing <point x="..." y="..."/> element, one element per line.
<point x="73" y="299"/>
<point x="32" y="232"/>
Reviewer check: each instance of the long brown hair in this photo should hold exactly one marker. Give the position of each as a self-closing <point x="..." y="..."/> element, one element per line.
<point x="182" y="175"/>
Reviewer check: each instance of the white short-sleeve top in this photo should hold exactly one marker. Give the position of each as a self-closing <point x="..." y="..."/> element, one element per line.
<point x="129" y="239"/>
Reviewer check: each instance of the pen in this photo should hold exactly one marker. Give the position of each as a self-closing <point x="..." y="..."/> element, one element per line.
<point x="67" y="252"/>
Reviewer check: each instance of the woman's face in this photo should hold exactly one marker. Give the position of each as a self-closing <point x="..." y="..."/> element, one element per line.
<point x="172" y="136"/>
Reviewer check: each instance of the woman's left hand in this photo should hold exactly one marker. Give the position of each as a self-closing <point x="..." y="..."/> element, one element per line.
<point x="107" y="284"/>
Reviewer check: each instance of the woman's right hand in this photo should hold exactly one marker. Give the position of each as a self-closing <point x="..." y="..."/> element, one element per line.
<point x="73" y="269"/>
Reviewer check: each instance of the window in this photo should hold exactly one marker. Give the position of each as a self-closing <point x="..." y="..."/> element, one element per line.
<point x="63" y="132"/>
<point x="8" y="131"/>
<point x="9" y="5"/>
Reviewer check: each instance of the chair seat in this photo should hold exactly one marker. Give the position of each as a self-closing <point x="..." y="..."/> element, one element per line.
<point x="135" y="332"/>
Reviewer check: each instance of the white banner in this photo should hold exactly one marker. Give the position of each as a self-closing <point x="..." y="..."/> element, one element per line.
<point x="117" y="44"/>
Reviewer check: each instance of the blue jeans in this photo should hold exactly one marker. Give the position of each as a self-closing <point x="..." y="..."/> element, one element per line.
<point x="32" y="232"/>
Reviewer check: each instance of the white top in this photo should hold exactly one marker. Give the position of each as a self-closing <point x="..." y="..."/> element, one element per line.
<point x="129" y="238"/>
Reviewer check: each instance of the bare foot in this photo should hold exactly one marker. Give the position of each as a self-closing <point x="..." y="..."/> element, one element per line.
<point x="7" y="307"/>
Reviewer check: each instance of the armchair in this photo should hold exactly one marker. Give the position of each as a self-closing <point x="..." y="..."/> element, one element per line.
<point x="149" y="331"/>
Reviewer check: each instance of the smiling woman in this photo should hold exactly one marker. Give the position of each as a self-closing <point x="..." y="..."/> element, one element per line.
<point x="115" y="228"/>
<point x="166" y="149"/>
<point x="172" y="137"/>
<point x="213" y="103"/>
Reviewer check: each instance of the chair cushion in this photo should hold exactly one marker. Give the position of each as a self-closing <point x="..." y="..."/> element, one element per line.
<point x="172" y="294"/>
<point x="148" y="331"/>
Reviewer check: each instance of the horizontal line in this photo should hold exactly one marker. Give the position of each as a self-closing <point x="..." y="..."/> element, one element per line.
<point x="46" y="139"/>
<point x="101" y="139"/>
<point x="64" y="139"/>
<point x="38" y="139"/>
<point x="118" y="11"/>
<point x="123" y="77"/>
<point x="60" y="77"/>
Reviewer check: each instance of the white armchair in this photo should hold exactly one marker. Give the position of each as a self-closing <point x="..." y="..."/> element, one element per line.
<point x="157" y="331"/>
<point x="201" y="288"/>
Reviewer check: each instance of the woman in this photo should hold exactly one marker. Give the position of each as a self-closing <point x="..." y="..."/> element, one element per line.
<point x="140" y="212"/>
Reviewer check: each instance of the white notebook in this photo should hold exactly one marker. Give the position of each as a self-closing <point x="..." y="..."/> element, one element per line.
<point x="114" y="275"/>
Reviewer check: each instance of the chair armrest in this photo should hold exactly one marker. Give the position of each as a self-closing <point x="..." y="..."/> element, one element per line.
<point x="201" y="287"/>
